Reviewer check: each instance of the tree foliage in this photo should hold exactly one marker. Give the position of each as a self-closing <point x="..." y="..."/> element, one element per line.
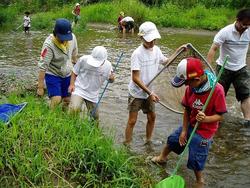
<point x="208" y="4"/>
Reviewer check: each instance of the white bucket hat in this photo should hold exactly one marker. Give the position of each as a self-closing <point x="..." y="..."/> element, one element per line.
<point x="148" y="31"/>
<point x="98" y="56"/>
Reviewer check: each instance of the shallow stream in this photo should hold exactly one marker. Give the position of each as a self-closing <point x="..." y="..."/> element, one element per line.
<point x="228" y="163"/>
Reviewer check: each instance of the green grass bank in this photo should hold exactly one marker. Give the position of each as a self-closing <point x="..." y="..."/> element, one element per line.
<point x="167" y="14"/>
<point x="44" y="148"/>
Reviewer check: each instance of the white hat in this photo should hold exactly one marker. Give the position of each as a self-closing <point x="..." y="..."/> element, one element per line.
<point x="98" y="56"/>
<point x="148" y="31"/>
<point x="77" y="4"/>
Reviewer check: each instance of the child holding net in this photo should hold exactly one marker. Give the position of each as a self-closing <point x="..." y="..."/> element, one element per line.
<point x="199" y="83"/>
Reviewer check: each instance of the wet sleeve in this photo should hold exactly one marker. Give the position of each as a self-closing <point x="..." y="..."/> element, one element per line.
<point x="110" y="68"/>
<point x="77" y="67"/>
<point x="220" y="100"/>
<point x="220" y="37"/>
<point x="186" y="96"/>
<point x="135" y="62"/>
<point x="46" y="57"/>
<point x="162" y="58"/>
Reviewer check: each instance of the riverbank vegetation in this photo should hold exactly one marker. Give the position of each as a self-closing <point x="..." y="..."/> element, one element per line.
<point x="43" y="148"/>
<point x="210" y="15"/>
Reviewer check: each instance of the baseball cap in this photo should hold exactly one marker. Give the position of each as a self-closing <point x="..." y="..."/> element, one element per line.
<point x="63" y="29"/>
<point x="122" y="13"/>
<point x="98" y="56"/>
<point x="148" y="31"/>
<point x="187" y="69"/>
<point x="77" y="4"/>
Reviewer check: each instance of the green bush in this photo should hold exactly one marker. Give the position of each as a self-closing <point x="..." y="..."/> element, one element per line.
<point x="7" y="15"/>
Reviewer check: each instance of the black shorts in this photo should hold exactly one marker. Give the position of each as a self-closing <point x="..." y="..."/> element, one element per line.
<point x="26" y="29"/>
<point x="240" y="80"/>
<point x="129" y="25"/>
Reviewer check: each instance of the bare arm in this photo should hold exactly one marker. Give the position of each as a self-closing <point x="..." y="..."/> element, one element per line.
<point x="137" y="80"/>
<point x="111" y="77"/>
<point x="211" y="53"/>
<point x="40" y="86"/>
<point x="183" y="135"/>
<point x="72" y="82"/>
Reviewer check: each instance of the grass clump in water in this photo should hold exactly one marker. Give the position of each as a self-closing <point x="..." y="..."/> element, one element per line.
<point x="52" y="148"/>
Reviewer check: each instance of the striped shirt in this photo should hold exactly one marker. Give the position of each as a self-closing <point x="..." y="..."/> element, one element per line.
<point x="56" y="62"/>
<point x="233" y="44"/>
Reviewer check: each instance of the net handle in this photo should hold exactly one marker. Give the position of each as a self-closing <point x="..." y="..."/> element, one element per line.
<point x="100" y="98"/>
<point x="175" y="55"/>
<point x="189" y="45"/>
<point x="197" y="123"/>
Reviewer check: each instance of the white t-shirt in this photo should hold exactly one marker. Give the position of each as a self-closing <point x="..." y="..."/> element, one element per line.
<point x="147" y="62"/>
<point x="127" y="19"/>
<point x="90" y="79"/>
<point x="26" y="21"/>
<point x="233" y="44"/>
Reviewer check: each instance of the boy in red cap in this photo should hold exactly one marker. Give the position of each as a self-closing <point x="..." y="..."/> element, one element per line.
<point x="199" y="83"/>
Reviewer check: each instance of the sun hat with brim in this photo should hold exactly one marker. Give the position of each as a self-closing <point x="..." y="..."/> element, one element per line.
<point x="148" y="31"/>
<point x="63" y="29"/>
<point x="187" y="69"/>
<point x="98" y="56"/>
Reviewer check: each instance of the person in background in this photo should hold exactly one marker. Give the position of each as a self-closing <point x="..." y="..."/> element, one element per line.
<point x="59" y="53"/>
<point x="26" y="22"/>
<point x="233" y="40"/>
<point x="127" y="24"/>
<point x="145" y="62"/>
<point x="87" y="77"/>
<point x="76" y="12"/>
<point x="199" y="84"/>
<point x="121" y="15"/>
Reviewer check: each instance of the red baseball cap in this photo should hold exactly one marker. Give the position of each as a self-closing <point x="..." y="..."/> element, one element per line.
<point x="187" y="69"/>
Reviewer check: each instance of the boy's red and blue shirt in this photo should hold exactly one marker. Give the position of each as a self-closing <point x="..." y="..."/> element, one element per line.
<point x="195" y="101"/>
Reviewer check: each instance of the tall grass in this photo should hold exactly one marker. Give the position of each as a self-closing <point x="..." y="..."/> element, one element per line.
<point x="166" y="15"/>
<point x="51" y="148"/>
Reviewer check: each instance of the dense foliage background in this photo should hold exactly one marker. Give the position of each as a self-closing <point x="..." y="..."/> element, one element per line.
<point x="47" y="4"/>
<point x="201" y="14"/>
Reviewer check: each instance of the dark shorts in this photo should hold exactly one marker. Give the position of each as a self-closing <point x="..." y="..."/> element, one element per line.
<point x="129" y="25"/>
<point x="76" y="18"/>
<point x="57" y="86"/>
<point x="26" y="28"/>
<point x="240" y="80"/>
<point x="198" y="148"/>
<point x="135" y="105"/>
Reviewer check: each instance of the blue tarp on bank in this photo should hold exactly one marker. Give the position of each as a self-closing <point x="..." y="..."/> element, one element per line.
<point x="7" y="111"/>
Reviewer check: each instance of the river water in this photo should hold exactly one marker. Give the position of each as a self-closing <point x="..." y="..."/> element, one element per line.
<point x="228" y="162"/>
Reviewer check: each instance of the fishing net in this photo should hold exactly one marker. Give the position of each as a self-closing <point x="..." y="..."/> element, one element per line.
<point x="171" y="97"/>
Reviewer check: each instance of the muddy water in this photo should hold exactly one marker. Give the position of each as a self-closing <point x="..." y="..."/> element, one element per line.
<point x="228" y="163"/>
